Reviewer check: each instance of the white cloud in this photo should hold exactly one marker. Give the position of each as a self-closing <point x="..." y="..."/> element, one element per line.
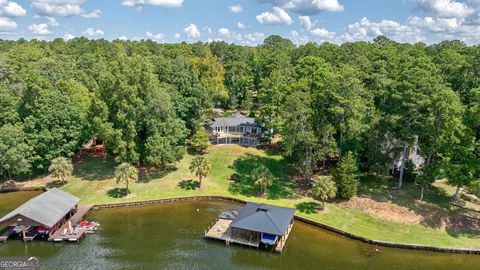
<point x="366" y="30"/>
<point x="39" y="29"/>
<point x="155" y="37"/>
<point x="445" y="8"/>
<point x="52" y="21"/>
<point x="58" y="7"/>
<point x="224" y="31"/>
<point x="11" y="9"/>
<point x="435" y="24"/>
<point x="241" y="25"/>
<point x="306" y="22"/>
<point x="177" y="35"/>
<point x="7" y="25"/>
<point x="63" y="8"/>
<point x="192" y="31"/>
<point x="235" y="9"/>
<point x="97" y="13"/>
<point x="68" y="36"/>
<point x="322" y="33"/>
<point x="306" y="7"/>
<point x="298" y="38"/>
<point x="254" y="38"/>
<point x="158" y="3"/>
<point x="277" y="16"/>
<point x="93" y="32"/>
<point x="447" y="28"/>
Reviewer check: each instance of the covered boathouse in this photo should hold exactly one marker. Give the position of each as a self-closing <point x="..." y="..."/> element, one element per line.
<point x="49" y="215"/>
<point x="253" y="225"/>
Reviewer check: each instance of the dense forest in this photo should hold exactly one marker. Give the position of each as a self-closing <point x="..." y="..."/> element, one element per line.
<point x="374" y="100"/>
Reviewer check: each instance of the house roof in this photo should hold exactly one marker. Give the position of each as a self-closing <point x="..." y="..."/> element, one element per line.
<point x="47" y="208"/>
<point x="234" y="120"/>
<point x="264" y="218"/>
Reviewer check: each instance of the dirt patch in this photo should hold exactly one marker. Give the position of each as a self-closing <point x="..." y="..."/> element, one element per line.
<point x="383" y="210"/>
<point x="455" y="222"/>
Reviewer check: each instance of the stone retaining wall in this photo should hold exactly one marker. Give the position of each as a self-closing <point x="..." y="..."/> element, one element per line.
<point x="301" y="219"/>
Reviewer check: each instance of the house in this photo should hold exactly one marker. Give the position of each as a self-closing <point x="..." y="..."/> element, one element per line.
<point x="256" y="224"/>
<point x="44" y="214"/>
<point x="235" y="129"/>
<point x="413" y="155"/>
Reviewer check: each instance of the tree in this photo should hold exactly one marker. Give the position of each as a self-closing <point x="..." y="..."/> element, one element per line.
<point x="61" y="167"/>
<point x="408" y="105"/>
<point x="200" y="167"/>
<point x="53" y="127"/>
<point x="425" y="178"/>
<point x="298" y="137"/>
<point x="343" y="102"/>
<point x="324" y="189"/>
<point x="126" y="173"/>
<point x="262" y="177"/>
<point x="345" y="176"/>
<point x="15" y="153"/>
<point x="200" y="141"/>
<point x="461" y="163"/>
<point x="212" y="75"/>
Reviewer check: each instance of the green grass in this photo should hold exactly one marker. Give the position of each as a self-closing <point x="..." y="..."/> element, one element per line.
<point x="93" y="182"/>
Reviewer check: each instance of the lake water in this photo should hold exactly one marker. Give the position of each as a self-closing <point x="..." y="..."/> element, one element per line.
<point x="170" y="236"/>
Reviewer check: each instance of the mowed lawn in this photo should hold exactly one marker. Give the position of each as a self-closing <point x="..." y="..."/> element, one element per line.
<point x="93" y="181"/>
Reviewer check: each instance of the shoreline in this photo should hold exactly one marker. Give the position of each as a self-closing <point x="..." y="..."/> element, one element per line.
<point x="297" y="218"/>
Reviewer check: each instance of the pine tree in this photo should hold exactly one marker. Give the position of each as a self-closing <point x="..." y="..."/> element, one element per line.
<point x="345" y="176"/>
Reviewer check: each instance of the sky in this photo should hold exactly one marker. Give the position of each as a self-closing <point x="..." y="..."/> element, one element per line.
<point x="245" y="22"/>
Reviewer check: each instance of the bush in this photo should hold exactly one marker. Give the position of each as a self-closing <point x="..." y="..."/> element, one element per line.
<point x="345" y="176"/>
<point x="474" y="188"/>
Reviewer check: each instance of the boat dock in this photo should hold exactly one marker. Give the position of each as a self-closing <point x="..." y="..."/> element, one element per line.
<point x="221" y="230"/>
<point x="283" y="240"/>
<point x="6" y="234"/>
<point x="254" y="224"/>
<point x="78" y="233"/>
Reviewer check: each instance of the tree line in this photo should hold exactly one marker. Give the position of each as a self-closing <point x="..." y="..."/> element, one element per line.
<point x="378" y="101"/>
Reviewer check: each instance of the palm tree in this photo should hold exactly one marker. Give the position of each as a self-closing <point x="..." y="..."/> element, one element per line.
<point x="263" y="177"/>
<point x="126" y="173"/>
<point x="200" y="167"/>
<point x="61" y="167"/>
<point x="324" y="189"/>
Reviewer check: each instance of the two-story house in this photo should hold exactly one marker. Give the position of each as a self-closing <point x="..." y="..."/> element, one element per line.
<point x="235" y="129"/>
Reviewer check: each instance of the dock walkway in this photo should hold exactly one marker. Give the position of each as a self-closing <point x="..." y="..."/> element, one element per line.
<point x="58" y="235"/>
<point x="222" y="231"/>
<point x="281" y="243"/>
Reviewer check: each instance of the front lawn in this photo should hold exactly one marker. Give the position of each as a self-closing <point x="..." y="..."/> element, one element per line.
<point x="439" y="222"/>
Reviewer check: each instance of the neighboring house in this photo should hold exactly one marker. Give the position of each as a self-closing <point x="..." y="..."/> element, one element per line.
<point x="235" y="129"/>
<point x="413" y="156"/>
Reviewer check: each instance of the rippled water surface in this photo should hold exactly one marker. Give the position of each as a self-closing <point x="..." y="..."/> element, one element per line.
<point x="170" y="236"/>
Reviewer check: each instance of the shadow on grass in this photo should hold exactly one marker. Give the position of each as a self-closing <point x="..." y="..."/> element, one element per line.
<point x="56" y="184"/>
<point x="189" y="185"/>
<point x="282" y="186"/>
<point x="147" y="175"/>
<point x="436" y="211"/>
<point x="308" y="207"/>
<point x="95" y="168"/>
<point x="117" y="193"/>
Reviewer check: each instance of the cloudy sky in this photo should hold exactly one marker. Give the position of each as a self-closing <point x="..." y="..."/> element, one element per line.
<point x="242" y="21"/>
